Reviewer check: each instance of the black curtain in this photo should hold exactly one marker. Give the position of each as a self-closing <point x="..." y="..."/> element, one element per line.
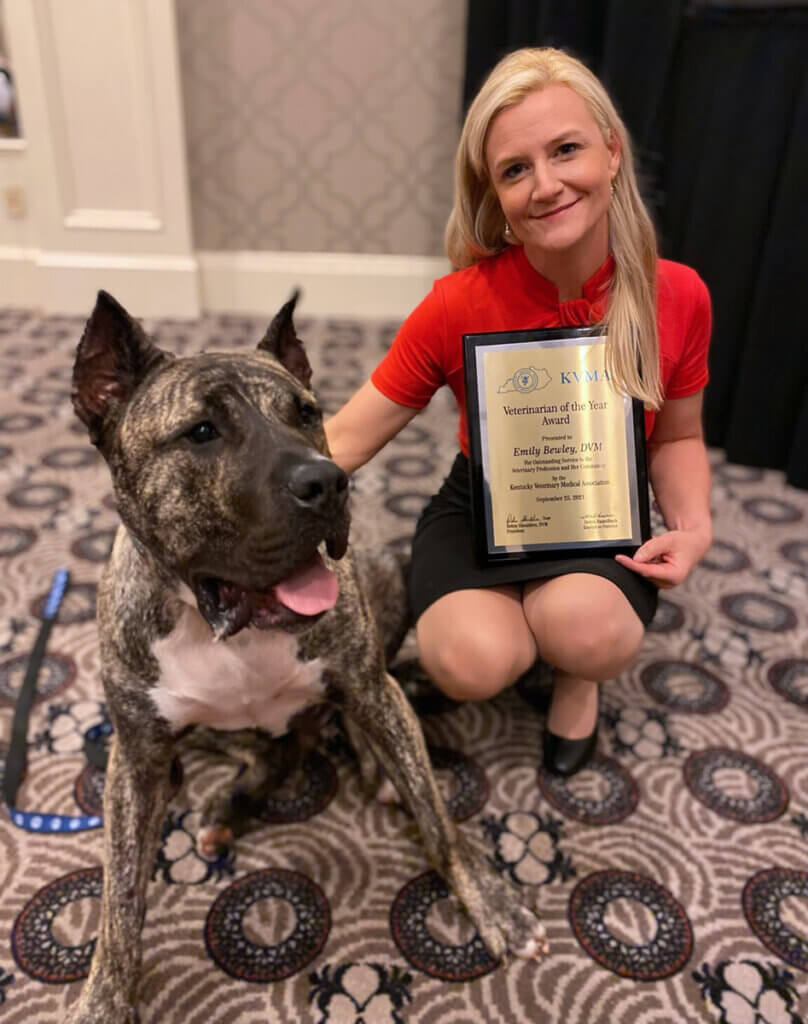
<point x="716" y="100"/>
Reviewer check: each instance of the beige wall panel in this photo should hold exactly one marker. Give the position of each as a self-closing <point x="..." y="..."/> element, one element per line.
<point x="321" y="127"/>
<point x="103" y="158"/>
<point x="107" y="162"/>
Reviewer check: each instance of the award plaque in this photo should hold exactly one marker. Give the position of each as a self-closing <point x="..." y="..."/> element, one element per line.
<point x="558" y="463"/>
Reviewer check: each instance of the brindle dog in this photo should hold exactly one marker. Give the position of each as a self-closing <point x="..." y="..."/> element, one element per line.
<point x="231" y="601"/>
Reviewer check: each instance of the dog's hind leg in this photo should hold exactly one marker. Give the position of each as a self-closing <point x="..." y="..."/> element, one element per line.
<point x="494" y="905"/>
<point x="370" y="773"/>
<point x="266" y="762"/>
<point x="136" y="793"/>
<point x="375" y="783"/>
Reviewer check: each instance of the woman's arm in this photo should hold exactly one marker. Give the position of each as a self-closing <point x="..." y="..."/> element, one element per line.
<point x="364" y="425"/>
<point x="680" y="477"/>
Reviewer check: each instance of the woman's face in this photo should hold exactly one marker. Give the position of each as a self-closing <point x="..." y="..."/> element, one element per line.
<point x="552" y="173"/>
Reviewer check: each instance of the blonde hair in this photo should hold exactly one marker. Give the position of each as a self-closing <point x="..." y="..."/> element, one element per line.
<point x="476" y="224"/>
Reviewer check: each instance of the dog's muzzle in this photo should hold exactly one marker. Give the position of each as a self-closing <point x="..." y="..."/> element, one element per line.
<point x="306" y="593"/>
<point x="319" y="488"/>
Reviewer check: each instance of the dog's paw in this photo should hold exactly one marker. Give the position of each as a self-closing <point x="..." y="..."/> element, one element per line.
<point x="508" y="926"/>
<point x="505" y="921"/>
<point x="214" y="841"/>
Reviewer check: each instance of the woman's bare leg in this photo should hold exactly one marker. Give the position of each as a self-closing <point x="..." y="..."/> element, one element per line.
<point x="586" y="628"/>
<point x="475" y="643"/>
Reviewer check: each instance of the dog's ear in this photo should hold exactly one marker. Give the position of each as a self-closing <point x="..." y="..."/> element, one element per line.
<point x="282" y="342"/>
<point x="113" y="356"/>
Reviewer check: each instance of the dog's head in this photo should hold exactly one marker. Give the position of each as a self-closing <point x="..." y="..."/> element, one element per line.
<point x="220" y="466"/>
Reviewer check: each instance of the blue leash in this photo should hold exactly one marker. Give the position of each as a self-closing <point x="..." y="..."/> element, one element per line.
<point x="17" y="752"/>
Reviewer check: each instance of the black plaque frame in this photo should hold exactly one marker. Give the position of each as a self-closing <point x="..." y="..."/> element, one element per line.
<point x="486" y="552"/>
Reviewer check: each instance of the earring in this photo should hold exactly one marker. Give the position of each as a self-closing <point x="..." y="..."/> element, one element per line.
<point x="507" y="232"/>
<point x="613" y="188"/>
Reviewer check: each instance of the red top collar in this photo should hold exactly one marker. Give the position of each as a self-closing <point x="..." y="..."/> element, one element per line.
<point x="574" y="312"/>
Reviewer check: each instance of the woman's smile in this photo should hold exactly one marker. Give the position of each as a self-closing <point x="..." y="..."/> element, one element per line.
<point x="557" y="210"/>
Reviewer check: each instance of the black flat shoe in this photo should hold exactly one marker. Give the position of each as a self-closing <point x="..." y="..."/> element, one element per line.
<point x="566" y="757"/>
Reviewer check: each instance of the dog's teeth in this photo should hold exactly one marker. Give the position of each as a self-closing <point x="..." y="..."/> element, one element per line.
<point x="233" y="618"/>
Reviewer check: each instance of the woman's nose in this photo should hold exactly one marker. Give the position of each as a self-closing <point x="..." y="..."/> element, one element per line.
<point x="546" y="184"/>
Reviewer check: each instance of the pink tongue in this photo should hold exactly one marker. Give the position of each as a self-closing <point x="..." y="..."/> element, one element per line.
<point x="310" y="590"/>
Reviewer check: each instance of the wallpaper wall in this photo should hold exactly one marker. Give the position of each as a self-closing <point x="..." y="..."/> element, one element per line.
<point x="322" y="127"/>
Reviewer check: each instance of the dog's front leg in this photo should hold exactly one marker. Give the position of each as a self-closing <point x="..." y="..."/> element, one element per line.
<point x="136" y="793"/>
<point x="494" y="905"/>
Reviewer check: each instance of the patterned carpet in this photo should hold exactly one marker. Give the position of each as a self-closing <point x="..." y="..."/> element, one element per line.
<point x="673" y="871"/>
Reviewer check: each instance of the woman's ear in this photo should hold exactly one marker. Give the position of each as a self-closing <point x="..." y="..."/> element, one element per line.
<point x="615" y="153"/>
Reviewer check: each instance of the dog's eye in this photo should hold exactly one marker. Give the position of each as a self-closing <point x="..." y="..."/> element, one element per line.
<point x="202" y="433"/>
<point x="309" y="414"/>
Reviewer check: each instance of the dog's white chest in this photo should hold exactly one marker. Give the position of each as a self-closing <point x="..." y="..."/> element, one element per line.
<point x="253" y="680"/>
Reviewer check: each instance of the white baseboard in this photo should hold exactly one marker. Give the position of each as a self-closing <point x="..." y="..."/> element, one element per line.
<point x="332" y="284"/>
<point x="17" y="278"/>
<point x="67" y="282"/>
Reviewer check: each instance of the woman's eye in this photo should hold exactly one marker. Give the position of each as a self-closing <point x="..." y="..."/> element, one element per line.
<point x="513" y="171"/>
<point x="202" y="433"/>
<point x="309" y="414"/>
<point x="567" y="148"/>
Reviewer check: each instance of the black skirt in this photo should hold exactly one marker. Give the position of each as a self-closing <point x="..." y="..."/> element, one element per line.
<point x="443" y="555"/>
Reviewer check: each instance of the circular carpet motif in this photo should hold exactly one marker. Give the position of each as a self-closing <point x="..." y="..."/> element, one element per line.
<point x="19" y="422"/>
<point x="772" y="510"/>
<point x="759" y="611"/>
<point x="33" y="943"/>
<point x="70" y="458"/>
<point x="770" y="797"/>
<point x="724" y="557"/>
<point x="56" y="673"/>
<point x="665" y="954"/>
<point x="406" y="505"/>
<point x="470" y="785"/>
<point x="88" y="791"/>
<point x="313" y="787"/>
<point x="46" y="395"/>
<point x="789" y="678"/>
<point x="408" y="923"/>
<point x="763" y="896"/>
<point x="410" y="466"/>
<point x="796" y="551"/>
<point x="618" y="801"/>
<point x="237" y="955"/>
<point x="669" y="617"/>
<point x="672" y="683"/>
<point x="78" y="604"/>
<point x="37" y="495"/>
<point x="95" y="546"/>
<point x="14" y="540"/>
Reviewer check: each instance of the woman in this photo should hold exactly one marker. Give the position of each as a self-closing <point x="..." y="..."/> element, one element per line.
<point x="547" y="229"/>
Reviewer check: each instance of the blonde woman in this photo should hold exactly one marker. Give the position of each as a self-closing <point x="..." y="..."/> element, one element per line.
<point x="548" y="229"/>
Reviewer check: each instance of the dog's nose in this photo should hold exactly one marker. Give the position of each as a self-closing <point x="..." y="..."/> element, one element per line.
<point x="318" y="485"/>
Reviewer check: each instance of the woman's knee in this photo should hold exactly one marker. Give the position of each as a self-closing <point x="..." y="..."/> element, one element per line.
<point x="473" y="656"/>
<point x="468" y="668"/>
<point x="593" y="634"/>
<point x="606" y="648"/>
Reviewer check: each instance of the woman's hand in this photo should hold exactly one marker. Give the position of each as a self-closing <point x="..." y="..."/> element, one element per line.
<point x="666" y="560"/>
<point x="680" y="477"/>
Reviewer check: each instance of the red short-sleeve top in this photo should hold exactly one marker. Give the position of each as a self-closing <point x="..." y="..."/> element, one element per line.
<point x="505" y="293"/>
